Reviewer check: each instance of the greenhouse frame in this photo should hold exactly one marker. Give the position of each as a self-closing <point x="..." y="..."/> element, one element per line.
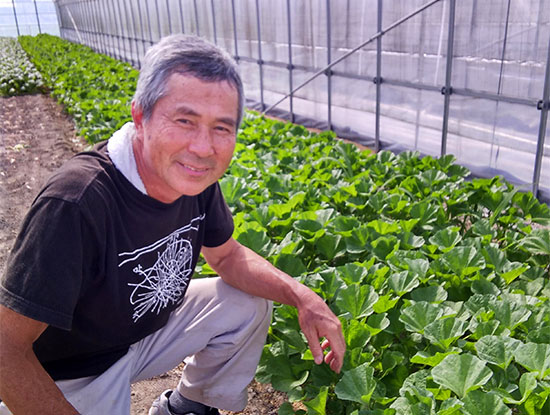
<point x="468" y="78"/>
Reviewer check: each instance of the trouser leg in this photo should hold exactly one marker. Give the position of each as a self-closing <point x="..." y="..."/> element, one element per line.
<point x="219" y="331"/>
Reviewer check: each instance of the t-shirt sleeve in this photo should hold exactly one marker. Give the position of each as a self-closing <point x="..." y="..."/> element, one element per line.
<point x="219" y="220"/>
<point x="44" y="271"/>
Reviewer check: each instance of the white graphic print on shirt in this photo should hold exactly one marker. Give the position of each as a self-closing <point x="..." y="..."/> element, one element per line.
<point x="166" y="280"/>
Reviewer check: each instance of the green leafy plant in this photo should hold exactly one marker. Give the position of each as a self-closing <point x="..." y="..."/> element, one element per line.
<point x="18" y="75"/>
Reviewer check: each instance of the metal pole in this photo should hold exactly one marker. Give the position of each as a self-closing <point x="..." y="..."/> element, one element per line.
<point x="544" y="106"/>
<point x="214" y="22"/>
<point x="58" y="16"/>
<point x="168" y="17"/>
<point x="134" y="34"/>
<point x="290" y="66"/>
<point x="260" y="61"/>
<point x="499" y="87"/>
<point x="328" y="73"/>
<point x="109" y="40"/>
<point x="378" y="80"/>
<point x="128" y="31"/>
<point x="362" y="45"/>
<point x="99" y="25"/>
<point x="37" y="17"/>
<point x="149" y="25"/>
<point x="141" y="34"/>
<point x="181" y="18"/>
<point x="15" y="16"/>
<point x="117" y="53"/>
<point x="94" y="30"/>
<point x="159" y="27"/>
<point x="447" y="89"/>
<point x="235" y="30"/>
<point x="196" y="18"/>
<point x="122" y="37"/>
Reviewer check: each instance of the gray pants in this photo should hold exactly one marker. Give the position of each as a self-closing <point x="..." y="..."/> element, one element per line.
<point x="219" y="332"/>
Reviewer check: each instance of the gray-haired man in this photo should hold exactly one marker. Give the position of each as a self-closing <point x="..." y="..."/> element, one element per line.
<point x="97" y="292"/>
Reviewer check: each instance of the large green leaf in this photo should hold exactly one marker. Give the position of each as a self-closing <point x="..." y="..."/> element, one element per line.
<point x="461" y="373"/>
<point x="417" y="316"/>
<point x="403" y="282"/>
<point x="317" y="406"/>
<point x="357" y="384"/>
<point x="535" y="358"/>
<point x="538" y="242"/>
<point x="357" y="300"/>
<point x="483" y="403"/>
<point x="464" y="260"/>
<point x="497" y="350"/>
<point x="446" y="239"/>
<point x="446" y="331"/>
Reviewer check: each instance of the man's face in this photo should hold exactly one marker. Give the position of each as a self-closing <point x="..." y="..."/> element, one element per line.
<point x="187" y="143"/>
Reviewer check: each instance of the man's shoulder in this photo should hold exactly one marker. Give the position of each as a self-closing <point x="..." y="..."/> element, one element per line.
<point x="80" y="175"/>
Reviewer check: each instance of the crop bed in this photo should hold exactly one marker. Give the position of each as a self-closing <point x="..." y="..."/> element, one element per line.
<point x="441" y="281"/>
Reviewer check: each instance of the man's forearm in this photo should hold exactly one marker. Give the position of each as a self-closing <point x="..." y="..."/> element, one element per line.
<point x="26" y="388"/>
<point x="251" y="273"/>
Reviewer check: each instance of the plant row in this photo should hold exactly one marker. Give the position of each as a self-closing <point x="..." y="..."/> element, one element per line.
<point x="441" y="282"/>
<point x="18" y="75"/>
<point x="94" y="89"/>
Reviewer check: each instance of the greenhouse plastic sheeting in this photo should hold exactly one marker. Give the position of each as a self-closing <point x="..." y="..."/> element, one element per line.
<point x="497" y="72"/>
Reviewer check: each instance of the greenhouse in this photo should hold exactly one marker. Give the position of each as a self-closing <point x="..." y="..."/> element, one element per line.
<point x="394" y="157"/>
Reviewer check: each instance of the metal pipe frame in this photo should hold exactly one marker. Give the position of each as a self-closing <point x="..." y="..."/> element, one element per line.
<point x="168" y="16"/>
<point x="214" y="21"/>
<point x="290" y="65"/>
<point x="235" y="39"/>
<point x="447" y="91"/>
<point x="181" y="17"/>
<point x="37" y="18"/>
<point x="544" y="106"/>
<point x="329" y="71"/>
<point x="378" y="79"/>
<point x="260" y="61"/>
<point x="15" y="16"/>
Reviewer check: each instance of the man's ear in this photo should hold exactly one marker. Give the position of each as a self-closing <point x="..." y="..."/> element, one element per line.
<point x="137" y="116"/>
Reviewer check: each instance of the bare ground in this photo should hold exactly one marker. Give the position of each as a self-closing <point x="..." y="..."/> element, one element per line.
<point x="36" y="137"/>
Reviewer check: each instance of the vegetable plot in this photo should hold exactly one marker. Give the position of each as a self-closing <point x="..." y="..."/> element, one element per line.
<point x="17" y="74"/>
<point x="95" y="89"/>
<point x="442" y="284"/>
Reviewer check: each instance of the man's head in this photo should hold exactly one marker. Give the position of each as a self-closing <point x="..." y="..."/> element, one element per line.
<point x="188" y="55"/>
<point x="186" y="111"/>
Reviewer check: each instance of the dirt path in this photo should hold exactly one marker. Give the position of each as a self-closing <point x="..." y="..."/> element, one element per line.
<point x="36" y="137"/>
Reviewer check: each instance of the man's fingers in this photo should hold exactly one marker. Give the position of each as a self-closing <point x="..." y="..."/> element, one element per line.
<point x="315" y="347"/>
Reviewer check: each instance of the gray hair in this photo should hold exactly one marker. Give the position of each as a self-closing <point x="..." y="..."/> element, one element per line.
<point x="188" y="55"/>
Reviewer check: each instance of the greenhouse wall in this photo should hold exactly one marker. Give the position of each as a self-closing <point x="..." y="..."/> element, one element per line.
<point x="28" y="17"/>
<point x="470" y="78"/>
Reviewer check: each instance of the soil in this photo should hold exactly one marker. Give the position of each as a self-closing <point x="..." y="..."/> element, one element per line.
<point x="36" y="137"/>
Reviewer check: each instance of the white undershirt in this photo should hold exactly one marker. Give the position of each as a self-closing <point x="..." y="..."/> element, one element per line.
<point x="121" y="153"/>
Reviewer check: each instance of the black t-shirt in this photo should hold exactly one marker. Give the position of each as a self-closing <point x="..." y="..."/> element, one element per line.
<point x="103" y="264"/>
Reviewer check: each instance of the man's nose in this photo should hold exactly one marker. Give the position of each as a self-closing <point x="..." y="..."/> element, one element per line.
<point x="202" y="143"/>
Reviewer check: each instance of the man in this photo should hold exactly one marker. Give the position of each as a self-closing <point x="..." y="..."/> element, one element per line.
<point x="97" y="295"/>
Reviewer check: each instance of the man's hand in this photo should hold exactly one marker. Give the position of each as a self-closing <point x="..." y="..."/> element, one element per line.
<point x="319" y="322"/>
<point x="244" y="269"/>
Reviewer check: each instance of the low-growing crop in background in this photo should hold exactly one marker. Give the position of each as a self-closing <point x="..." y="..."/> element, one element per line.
<point x="96" y="90"/>
<point x="442" y="283"/>
<point x="18" y="75"/>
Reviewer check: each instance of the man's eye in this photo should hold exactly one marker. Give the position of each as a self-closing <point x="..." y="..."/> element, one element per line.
<point x="223" y="129"/>
<point x="184" y="121"/>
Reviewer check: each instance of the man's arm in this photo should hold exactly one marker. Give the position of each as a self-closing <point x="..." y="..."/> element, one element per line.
<point x="242" y="268"/>
<point x="25" y="387"/>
